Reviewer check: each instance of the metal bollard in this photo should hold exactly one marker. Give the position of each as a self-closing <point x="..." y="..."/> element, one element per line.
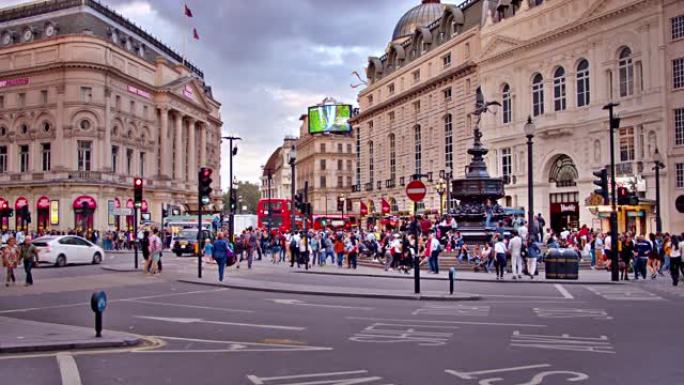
<point x="452" y="276"/>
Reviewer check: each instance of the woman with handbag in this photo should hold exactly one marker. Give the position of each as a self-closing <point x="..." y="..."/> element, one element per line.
<point x="10" y="259"/>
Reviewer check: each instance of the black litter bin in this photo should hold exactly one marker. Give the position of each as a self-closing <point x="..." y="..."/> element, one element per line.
<point x="562" y="264"/>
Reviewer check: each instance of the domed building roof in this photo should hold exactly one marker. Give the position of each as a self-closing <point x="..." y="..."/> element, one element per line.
<point x="418" y="16"/>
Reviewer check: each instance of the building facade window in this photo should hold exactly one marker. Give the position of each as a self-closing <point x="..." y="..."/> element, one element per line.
<point x="679" y="167"/>
<point x="677" y="27"/>
<point x="3" y="159"/>
<point x="323" y="164"/>
<point x="678" y="73"/>
<point x="419" y="150"/>
<point x="393" y="157"/>
<point x="24" y="158"/>
<point x="349" y="165"/>
<point x="47" y="158"/>
<point x="626" y="72"/>
<point x="583" y="94"/>
<point x="538" y="95"/>
<point x="322" y="148"/>
<point x="2" y="101"/>
<point x="44" y="96"/>
<point x="339" y="147"/>
<point x="340" y="181"/>
<point x="115" y="158"/>
<point x="371" y="164"/>
<point x="21" y="100"/>
<point x="679" y="126"/>
<point x="129" y="161"/>
<point x="340" y="166"/>
<point x="323" y="181"/>
<point x="416" y="76"/>
<point x="506" y="104"/>
<point x="142" y="165"/>
<point x="448" y="142"/>
<point x="86" y="94"/>
<point x="84" y="155"/>
<point x="626" y="140"/>
<point x="446" y="60"/>
<point x="559" y="101"/>
<point x="447" y="94"/>
<point x="506" y="164"/>
<point x="349" y="148"/>
<point x="390" y="89"/>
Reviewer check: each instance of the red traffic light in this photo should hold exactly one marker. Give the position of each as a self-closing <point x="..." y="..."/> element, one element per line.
<point x="138" y="182"/>
<point x="206" y="172"/>
<point x="4" y="205"/>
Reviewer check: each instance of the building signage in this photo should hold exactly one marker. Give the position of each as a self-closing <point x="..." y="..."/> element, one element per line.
<point x="54" y="212"/>
<point x="43" y="203"/>
<point x="14" y="82"/>
<point x="139" y="92"/>
<point x="187" y="91"/>
<point x="111" y="219"/>
<point x="568" y="207"/>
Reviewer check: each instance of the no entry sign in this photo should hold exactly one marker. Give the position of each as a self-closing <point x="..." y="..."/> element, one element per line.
<point x="416" y="191"/>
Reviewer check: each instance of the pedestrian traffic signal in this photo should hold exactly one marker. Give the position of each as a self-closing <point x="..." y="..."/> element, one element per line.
<point x="233" y="201"/>
<point x="622" y="195"/>
<point x="204" y="184"/>
<point x="602" y="182"/>
<point x="137" y="191"/>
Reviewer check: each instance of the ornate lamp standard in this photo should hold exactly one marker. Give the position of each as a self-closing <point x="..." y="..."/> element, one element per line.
<point x="529" y="129"/>
<point x="291" y="159"/>
<point x="441" y="188"/>
<point x="658" y="165"/>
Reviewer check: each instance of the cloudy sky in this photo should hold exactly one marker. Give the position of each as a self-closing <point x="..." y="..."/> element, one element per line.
<point x="268" y="60"/>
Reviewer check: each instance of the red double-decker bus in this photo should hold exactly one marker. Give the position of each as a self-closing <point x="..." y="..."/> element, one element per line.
<point x="277" y="212"/>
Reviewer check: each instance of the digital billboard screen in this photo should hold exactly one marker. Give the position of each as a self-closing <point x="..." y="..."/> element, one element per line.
<point x="330" y="118"/>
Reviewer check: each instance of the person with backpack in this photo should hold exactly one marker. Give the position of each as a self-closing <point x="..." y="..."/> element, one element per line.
<point x="221" y="254"/>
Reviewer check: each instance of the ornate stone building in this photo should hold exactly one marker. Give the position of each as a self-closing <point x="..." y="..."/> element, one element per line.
<point x="88" y="101"/>
<point x="414" y="113"/>
<point x="279" y="169"/>
<point x="560" y="62"/>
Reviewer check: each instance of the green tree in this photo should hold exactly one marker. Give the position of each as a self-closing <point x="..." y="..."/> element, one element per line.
<point x="248" y="197"/>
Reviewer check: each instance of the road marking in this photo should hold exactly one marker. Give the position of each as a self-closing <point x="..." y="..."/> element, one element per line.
<point x="401" y="333"/>
<point x="190" y="306"/>
<point x="199" y="320"/>
<point x="457" y="310"/>
<point x="333" y="378"/>
<point x="597" y="314"/>
<point x="297" y="302"/>
<point x="518" y="296"/>
<point x="623" y="293"/>
<point x="473" y="375"/>
<point x="414" y="321"/>
<point x="68" y="369"/>
<point x="563" y="291"/>
<point x="563" y="342"/>
<point x="230" y="346"/>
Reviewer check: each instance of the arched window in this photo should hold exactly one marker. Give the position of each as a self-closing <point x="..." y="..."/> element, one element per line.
<point x="371" y="165"/>
<point x="419" y="150"/>
<point x="537" y="95"/>
<point x="393" y="157"/>
<point x="583" y="83"/>
<point x="626" y="72"/>
<point x="506" y="99"/>
<point x="559" y="102"/>
<point x="448" y="142"/>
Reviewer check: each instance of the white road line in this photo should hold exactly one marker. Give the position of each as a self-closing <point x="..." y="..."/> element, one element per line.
<point x="297" y="302"/>
<point x="563" y="291"/>
<point x="416" y="322"/>
<point x="68" y="369"/>
<point x="469" y="375"/>
<point x="190" y="306"/>
<point x="517" y="296"/>
<point x="199" y="320"/>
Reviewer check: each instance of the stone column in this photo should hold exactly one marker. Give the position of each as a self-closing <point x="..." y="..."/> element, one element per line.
<point x="192" y="151"/>
<point x="165" y="144"/>
<point x="58" y="151"/>
<point x="203" y="144"/>
<point x="105" y="144"/>
<point x="180" y="147"/>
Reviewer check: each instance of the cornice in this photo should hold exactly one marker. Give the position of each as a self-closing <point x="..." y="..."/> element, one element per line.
<point x="457" y="72"/>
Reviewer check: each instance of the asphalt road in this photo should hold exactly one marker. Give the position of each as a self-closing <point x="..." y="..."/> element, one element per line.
<point x="522" y="334"/>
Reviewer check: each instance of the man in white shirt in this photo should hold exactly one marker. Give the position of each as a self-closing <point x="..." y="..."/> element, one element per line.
<point x="523" y="232"/>
<point x="515" y="247"/>
<point x="500" y="263"/>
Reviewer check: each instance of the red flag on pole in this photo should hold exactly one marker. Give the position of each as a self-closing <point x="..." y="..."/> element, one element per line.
<point x="364" y="209"/>
<point x="385" y="207"/>
<point x="188" y="12"/>
<point x="195" y="34"/>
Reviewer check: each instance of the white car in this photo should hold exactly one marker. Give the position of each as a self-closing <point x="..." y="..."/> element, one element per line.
<point x="64" y="249"/>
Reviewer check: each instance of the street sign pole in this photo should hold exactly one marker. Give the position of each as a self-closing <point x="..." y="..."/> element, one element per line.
<point x="416" y="191"/>
<point x="135" y="237"/>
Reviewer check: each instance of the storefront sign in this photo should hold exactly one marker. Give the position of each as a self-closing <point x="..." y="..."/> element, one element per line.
<point x="187" y="92"/>
<point x="88" y="200"/>
<point x="568" y="207"/>
<point x="110" y="213"/>
<point x="43" y="203"/>
<point x="139" y="92"/>
<point x="54" y="212"/>
<point x="635" y="214"/>
<point x="14" y="82"/>
<point x="21" y="202"/>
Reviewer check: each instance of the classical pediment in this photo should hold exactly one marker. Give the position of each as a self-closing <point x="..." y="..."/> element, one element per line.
<point x="189" y="89"/>
<point x="500" y="44"/>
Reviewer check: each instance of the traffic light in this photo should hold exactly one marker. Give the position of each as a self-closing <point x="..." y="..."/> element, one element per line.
<point x="602" y="182"/>
<point x="299" y="202"/>
<point x="204" y="183"/>
<point x="622" y="195"/>
<point x="340" y="205"/>
<point x="233" y="201"/>
<point x="138" y="191"/>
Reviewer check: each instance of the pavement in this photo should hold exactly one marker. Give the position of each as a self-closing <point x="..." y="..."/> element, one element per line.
<point x="20" y="336"/>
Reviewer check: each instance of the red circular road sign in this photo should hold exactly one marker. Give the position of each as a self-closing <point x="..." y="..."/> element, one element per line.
<point x="416" y="191"/>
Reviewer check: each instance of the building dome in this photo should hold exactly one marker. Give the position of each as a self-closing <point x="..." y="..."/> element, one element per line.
<point x="418" y="16"/>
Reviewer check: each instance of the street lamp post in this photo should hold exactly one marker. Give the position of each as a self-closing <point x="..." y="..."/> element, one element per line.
<point x="613" y="123"/>
<point x="659" y="165"/>
<point x="231" y="214"/>
<point x="441" y="188"/>
<point x="529" y="129"/>
<point x="292" y="158"/>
